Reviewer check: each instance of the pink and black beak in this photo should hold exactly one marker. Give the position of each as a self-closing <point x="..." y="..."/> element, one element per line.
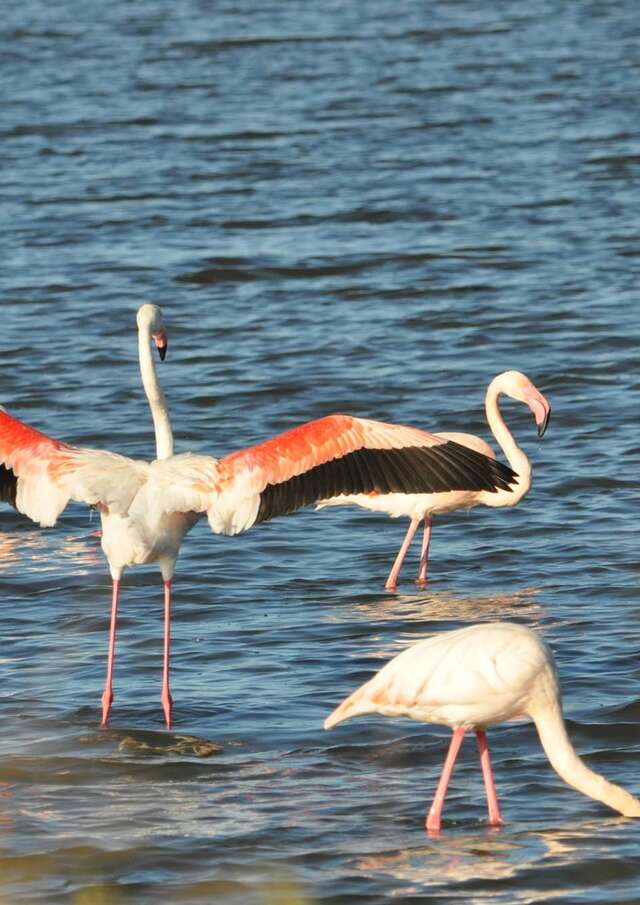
<point x="160" y="339"/>
<point x="540" y="408"/>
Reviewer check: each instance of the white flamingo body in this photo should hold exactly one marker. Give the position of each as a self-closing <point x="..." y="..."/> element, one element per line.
<point x="473" y="678"/>
<point x="424" y="506"/>
<point x="415" y="506"/>
<point x="143" y="537"/>
<point x="148" y="507"/>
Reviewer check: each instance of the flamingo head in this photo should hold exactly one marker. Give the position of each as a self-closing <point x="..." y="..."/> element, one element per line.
<point x="519" y="387"/>
<point x="149" y="318"/>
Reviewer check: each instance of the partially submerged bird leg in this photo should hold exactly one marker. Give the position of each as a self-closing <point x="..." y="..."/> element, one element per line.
<point x="165" y="697"/>
<point x="433" y="818"/>
<point x="392" y="580"/>
<point x="107" y="694"/>
<point x="495" y="818"/>
<point x="424" y="552"/>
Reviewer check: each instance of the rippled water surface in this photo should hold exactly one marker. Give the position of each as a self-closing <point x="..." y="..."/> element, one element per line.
<point x="368" y="207"/>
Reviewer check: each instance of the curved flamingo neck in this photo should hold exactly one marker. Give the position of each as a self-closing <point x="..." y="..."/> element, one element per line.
<point x="572" y="769"/>
<point x="157" y="401"/>
<point x="516" y="458"/>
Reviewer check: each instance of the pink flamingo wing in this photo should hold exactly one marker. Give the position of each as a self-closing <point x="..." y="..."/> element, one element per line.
<point x="39" y="474"/>
<point x="340" y="454"/>
<point x="316" y="442"/>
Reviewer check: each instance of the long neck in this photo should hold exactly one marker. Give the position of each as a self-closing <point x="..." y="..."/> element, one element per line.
<point x="514" y="455"/>
<point x="573" y="770"/>
<point x="157" y="401"/>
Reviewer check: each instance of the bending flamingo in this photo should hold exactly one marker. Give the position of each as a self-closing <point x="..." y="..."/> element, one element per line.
<point x="425" y="506"/>
<point x="146" y="508"/>
<point x="473" y="678"/>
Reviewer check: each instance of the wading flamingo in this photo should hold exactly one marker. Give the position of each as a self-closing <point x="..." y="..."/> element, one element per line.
<point x="473" y="678"/>
<point x="425" y="506"/>
<point x="146" y="508"/>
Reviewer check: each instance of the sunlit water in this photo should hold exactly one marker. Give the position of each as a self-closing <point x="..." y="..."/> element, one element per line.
<point x="362" y="207"/>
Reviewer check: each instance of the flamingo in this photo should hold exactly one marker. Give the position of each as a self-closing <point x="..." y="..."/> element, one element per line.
<point x="472" y="678"/>
<point x="425" y="506"/>
<point x="147" y="508"/>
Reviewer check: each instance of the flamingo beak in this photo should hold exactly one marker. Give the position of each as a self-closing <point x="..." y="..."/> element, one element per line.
<point x="540" y="408"/>
<point x="160" y="339"/>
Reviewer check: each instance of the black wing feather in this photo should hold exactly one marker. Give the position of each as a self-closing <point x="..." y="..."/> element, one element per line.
<point x="8" y="486"/>
<point x="411" y="469"/>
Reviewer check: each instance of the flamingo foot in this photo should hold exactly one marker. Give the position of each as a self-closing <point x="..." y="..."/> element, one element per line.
<point x="107" y="701"/>
<point x="167" y="705"/>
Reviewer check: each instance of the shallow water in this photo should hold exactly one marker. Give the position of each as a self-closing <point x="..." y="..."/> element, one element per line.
<point x="363" y="207"/>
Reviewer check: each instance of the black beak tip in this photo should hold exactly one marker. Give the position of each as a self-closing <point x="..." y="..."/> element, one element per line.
<point x="543" y="426"/>
<point x="162" y="351"/>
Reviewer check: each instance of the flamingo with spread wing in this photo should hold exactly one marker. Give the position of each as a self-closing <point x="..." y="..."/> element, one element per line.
<point x="147" y="508"/>
<point x="417" y="507"/>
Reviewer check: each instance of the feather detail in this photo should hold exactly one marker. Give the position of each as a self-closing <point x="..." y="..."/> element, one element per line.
<point x="48" y="473"/>
<point x="335" y="455"/>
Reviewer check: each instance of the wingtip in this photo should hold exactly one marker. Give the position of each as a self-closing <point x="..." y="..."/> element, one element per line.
<point x="351" y="706"/>
<point x="331" y="720"/>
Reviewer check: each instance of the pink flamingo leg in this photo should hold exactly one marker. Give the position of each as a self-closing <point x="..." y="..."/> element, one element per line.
<point x="495" y="818"/>
<point x="392" y="580"/>
<point x="424" y="553"/>
<point x="433" y="819"/>
<point x="107" y="694"/>
<point x="165" y="697"/>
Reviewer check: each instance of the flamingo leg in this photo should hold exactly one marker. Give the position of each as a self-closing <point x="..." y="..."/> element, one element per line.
<point x="165" y="697"/>
<point x="392" y="580"/>
<point x="107" y="694"/>
<point x="424" y="552"/>
<point x="495" y="818"/>
<point x="433" y="818"/>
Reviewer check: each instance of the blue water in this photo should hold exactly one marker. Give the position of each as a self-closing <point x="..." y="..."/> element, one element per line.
<point x="363" y="207"/>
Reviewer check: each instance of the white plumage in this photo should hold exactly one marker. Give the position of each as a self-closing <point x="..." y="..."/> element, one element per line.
<point x="473" y="678"/>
